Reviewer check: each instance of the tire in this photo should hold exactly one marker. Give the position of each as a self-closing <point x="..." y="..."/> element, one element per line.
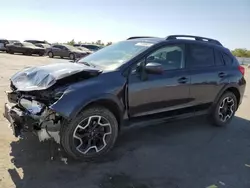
<point x="10" y="52"/>
<point x="71" y="132"/>
<point x="29" y="53"/>
<point x="219" y="115"/>
<point x="41" y="54"/>
<point x="50" y="54"/>
<point x="72" y="56"/>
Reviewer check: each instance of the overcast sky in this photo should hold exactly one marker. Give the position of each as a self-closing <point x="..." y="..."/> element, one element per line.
<point x="114" y="20"/>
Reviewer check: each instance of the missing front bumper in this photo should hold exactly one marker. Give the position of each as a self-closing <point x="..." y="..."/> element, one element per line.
<point x="19" y="120"/>
<point x="14" y="116"/>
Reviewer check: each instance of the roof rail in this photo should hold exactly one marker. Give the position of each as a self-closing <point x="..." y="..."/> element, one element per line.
<point x="138" y="37"/>
<point x="170" y="37"/>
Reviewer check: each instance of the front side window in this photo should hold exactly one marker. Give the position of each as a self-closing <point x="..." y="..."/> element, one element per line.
<point x="170" y="57"/>
<point x="113" y="56"/>
<point x="200" y="56"/>
<point x="17" y="44"/>
<point x="57" y="46"/>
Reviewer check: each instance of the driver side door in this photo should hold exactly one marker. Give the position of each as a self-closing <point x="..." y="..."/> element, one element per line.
<point x="159" y="92"/>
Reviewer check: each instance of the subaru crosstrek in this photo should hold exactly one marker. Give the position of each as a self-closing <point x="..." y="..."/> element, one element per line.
<point x="83" y="105"/>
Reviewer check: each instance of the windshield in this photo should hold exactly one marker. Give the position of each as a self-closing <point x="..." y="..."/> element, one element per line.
<point x="113" y="56"/>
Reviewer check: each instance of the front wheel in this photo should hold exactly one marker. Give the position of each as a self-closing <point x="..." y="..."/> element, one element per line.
<point x="72" y="56"/>
<point x="51" y="55"/>
<point x="224" y="110"/>
<point x="91" y="134"/>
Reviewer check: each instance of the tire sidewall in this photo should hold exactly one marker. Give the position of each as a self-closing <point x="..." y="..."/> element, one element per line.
<point x="67" y="134"/>
<point x="216" y="118"/>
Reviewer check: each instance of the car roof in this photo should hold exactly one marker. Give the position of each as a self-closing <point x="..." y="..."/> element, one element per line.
<point x="210" y="42"/>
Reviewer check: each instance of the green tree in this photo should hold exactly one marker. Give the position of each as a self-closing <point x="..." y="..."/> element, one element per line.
<point x="108" y="43"/>
<point x="72" y="42"/>
<point x="98" y="42"/>
<point x="241" y="52"/>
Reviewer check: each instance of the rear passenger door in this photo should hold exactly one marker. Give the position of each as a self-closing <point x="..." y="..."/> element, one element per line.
<point x="208" y="73"/>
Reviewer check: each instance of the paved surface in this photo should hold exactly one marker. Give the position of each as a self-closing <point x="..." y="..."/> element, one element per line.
<point x="185" y="154"/>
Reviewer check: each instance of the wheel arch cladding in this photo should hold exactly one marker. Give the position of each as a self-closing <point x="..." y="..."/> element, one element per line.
<point x="236" y="92"/>
<point x="108" y="104"/>
<point x="232" y="89"/>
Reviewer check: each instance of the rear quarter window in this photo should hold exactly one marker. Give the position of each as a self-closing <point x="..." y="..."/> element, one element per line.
<point x="227" y="59"/>
<point x="218" y="58"/>
<point x="200" y="56"/>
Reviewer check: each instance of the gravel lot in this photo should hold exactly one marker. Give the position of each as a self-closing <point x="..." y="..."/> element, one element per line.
<point x="184" y="154"/>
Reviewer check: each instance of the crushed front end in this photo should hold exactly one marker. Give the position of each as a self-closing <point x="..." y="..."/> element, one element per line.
<point x="30" y="113"/>
<point x="35" y="90"/>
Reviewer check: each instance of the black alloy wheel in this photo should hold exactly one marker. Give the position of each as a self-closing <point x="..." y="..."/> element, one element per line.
<point x="91" y="135"/>
<point x="225" y="109"/>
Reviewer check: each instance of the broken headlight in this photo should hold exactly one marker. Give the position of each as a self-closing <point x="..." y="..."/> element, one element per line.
<point x="33" y="106"/>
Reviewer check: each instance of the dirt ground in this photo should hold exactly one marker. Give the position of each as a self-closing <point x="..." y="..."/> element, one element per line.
<point x="185" y="154"/>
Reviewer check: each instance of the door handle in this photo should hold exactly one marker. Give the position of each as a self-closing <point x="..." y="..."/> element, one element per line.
<point x="222" y="74"/>
<point x="182" y="80"/>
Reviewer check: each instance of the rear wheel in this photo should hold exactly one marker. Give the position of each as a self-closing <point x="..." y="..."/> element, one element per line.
<point x="91" y="134"/>
<point x="51" y="55"/>
<point x="41" y="54"/>
<point x="27" y="53"/>
<point x="224" y="109"/>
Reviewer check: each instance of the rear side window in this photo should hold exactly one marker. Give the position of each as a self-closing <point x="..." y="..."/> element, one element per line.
<point x="200" y="56"/>
<point x="227" y="59"/>
<point x="218" y="58"/>
<point x="57" y="46"/>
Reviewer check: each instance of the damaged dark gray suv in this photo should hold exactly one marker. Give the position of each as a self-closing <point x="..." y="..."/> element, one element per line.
<point x="83" y="105"/>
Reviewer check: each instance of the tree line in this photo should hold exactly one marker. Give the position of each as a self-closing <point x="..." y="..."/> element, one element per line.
<point x="241" y="52"/>
<point x="98" y="42"/>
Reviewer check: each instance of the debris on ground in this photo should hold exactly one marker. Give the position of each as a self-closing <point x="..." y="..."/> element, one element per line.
<point x="222" y="183"/>
<point x="247" y="165"/>
<point x="63" y="159"/>
<point x="212" y="186"/>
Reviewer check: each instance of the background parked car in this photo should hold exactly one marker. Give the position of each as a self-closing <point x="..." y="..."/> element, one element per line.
<point x="91" y="47"/>
<point x="84" y="49"/>
<point x="3" y="43"/>
<point x="24" y="48"/>
<point x="37" y="42"/>
<point x="63" y="50"/>
<point x="42" y="45"/>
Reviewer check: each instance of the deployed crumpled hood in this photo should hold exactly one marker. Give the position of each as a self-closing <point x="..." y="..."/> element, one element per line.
<point x="42" y="77"/>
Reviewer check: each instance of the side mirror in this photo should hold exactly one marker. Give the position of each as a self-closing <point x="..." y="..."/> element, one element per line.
<point x="154" y="68"/>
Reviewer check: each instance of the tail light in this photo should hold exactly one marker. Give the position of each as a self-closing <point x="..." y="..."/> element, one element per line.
<point x="242" y="70"/>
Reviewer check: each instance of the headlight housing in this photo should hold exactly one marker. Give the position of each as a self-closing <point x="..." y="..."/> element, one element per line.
<point x="33" y="106"/>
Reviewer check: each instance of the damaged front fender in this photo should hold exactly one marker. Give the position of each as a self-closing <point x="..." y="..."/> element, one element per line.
<point x="79" y="95"/>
